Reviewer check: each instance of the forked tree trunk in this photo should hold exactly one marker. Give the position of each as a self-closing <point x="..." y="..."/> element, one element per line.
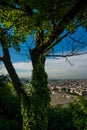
<point x="39" y="95"/>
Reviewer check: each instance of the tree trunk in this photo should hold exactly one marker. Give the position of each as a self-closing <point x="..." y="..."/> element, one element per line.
<point x="12" y="73"/>
<point x="36" y="58"/>
<point x="24" y="98"/>
<point x="39" y="94"/>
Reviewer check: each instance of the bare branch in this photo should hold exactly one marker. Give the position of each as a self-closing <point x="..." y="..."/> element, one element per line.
<point x="67" y="55"/>
<point x="56" y="42"/>
<point x="75" y="40"/>
<point x="69" y="61"/>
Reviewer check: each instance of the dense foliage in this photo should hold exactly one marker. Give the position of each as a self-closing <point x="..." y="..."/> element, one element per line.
<point x="60" y="119"/>
<point x="20" y="18"/>
<point x="10" y="114"/>
<point x="72" y="117"/>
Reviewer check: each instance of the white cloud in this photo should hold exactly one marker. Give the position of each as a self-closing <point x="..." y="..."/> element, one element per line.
<point x="57" y="69"/>
<point x="23" y="69"/>
<point x="62" y="69"/>
<point x="2" y="69"/>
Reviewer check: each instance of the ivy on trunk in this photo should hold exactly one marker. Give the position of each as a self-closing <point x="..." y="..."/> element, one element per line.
<point x="36" y="116"/>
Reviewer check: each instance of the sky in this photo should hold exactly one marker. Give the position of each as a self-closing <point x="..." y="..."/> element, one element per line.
<point x="57" y="68"/>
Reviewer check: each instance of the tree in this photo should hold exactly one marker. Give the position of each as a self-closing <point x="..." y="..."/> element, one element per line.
<point x="47" y="20"/>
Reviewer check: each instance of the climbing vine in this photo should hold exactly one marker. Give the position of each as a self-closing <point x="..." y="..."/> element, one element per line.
<point x="39" y="99"/>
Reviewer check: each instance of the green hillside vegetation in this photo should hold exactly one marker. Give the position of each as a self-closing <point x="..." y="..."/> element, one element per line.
<point x="72" y="117"/>
<point x="10" y="116"/>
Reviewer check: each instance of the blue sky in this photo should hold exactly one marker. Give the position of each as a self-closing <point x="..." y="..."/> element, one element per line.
<point x="55" y="68"/>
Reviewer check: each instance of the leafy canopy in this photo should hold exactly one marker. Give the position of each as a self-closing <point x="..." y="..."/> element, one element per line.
<point x="19" y="18"/>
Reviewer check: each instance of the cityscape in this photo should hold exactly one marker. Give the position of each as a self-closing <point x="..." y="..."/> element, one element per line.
<point x="65" y="91"/>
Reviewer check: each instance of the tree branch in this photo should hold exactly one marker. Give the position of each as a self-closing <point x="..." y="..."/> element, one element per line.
<point x="69" y="61"/>
<point x="75" y="40"/>
<point x="56" y="42"/>
<point x="79" y="6"/>
<point x="67" y="55"/>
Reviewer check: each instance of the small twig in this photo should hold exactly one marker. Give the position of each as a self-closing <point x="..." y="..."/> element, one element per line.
<point x="69" y="61"/>
<point x="75" y="40"/>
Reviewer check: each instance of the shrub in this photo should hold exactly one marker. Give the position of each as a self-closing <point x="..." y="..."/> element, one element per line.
<point x="10" y="114"/>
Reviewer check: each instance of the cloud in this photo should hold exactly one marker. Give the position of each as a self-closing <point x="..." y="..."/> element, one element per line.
<point x="2" y="69"/>
<point x="63" y="70"/>
<point x="57" y="68"/>
<point x="23" y="69"/>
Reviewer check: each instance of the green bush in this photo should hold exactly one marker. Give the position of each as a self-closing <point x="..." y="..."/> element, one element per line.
<point x="72" y="117"/>
<point x="10" y="114"/>
<point x="79" y="113"/>
<point x="60" y="119"/>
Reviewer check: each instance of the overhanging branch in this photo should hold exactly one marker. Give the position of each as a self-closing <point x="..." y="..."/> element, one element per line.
<point x="67" y="55"/>
<point x="79" y="6"/>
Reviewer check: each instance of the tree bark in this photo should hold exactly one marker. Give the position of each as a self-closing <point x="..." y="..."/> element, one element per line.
<point x="13" y="75"/>
<point x="39" y="93"/>
<point x="36" y="58"/>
